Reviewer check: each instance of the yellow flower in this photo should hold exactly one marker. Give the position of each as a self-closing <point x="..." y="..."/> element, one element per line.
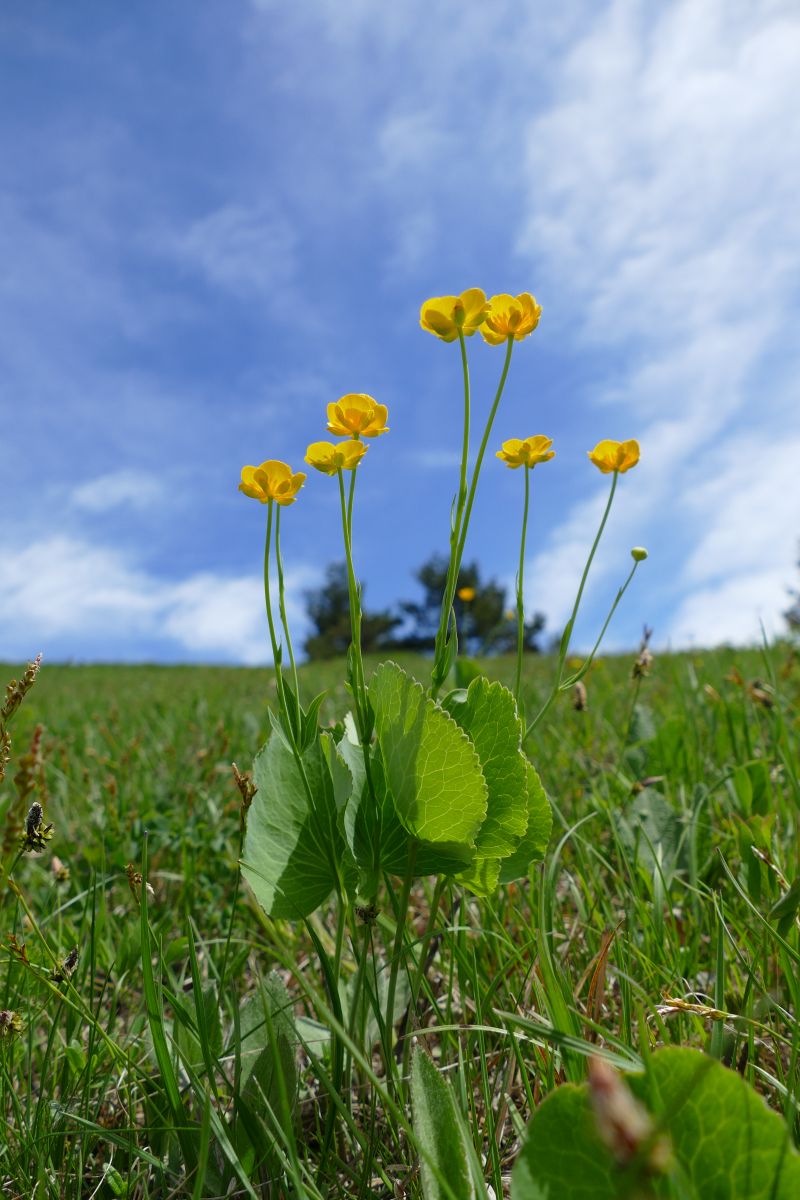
<point x="330" y="458"/>
<point x="357" y="415"/>
<point x="511" y="317"/>
<point x="445" y="315"/>
<point x="273" y="480"/>
<point x="466" y="594"/>
<point x="615" y="456"/>
<point x="527" y="453"/>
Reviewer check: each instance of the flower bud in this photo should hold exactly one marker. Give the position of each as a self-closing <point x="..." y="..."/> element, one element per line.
<point x="638" y="554"/>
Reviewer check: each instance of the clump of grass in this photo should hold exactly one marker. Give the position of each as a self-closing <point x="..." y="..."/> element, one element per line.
<point x="634" y="930"/>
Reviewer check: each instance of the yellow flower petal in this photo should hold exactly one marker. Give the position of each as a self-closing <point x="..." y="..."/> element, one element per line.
<point x="249" y="486"/>
<point x="349" y="454"/>
<point x="444" y="316"/>
<point x="357" y="415"/>
<point x="437" y="316"/>
<point x="272" y="480"/>
<point x="510" y="317"/>
<point x="527" y="453"/>
<point x="329" y="458"/>
<point x="320" y="456"/>
<point x="610" y="456"/>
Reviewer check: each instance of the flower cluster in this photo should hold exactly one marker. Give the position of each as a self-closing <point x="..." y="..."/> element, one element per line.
<point x="356" y="418"/>
<point x="501" y="318"/>
<point x="353" y="417"/>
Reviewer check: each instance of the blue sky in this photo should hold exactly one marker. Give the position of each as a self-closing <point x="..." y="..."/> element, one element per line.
<point x="215" y="218"/>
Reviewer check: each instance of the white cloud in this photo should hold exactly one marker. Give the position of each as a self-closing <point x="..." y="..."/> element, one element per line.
<point x="137" y="489"/>
<point x="749" y="528"/>
<point x="738" y="572"/>
<point x="241" y="249"/>
<point x="663" y="183"/>
<point x="64" y="587"/>
<point x="733" y="611"/>
<point x="411" y="141"/>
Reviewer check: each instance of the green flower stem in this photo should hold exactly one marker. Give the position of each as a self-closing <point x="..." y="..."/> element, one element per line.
<point x="357" y="1008"/>
<point x="482" y="448"/>
<point x="276" y="654"/>
<point x="521" y="589"/>
<point x="438" y="677"/>
<point x="462" y="483"/>
<point x="358" y="680"/>
<point x="341" y="925"/>
<point x="397" y="950"/>
<point x="288" y="724"/>
<point x="567" y="634"/>
<point x="455" y="516"/>
<point x="350" y="504"/>
<point x="423" y="966"/>
<point x="579" y="674"/>
<point x="282" y="609"/>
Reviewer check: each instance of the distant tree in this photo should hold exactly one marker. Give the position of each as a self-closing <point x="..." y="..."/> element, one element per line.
<point x="328" y="609"/>
<point x="486" y="624"/>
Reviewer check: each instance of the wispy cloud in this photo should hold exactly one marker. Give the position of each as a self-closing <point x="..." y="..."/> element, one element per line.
<point x="241" y="249"/>
<point x="152" y="282"/>
<point x="65" y="591"/>
<point x="662" y="197"/>
<point x="137" y="489"/>
<point x="411" y="141"/>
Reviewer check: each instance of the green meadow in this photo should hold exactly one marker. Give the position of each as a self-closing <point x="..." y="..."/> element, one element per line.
<point x="162" y="1036"/>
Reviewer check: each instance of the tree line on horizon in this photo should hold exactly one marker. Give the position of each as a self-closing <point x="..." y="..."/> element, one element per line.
<point x="487" y="623"/>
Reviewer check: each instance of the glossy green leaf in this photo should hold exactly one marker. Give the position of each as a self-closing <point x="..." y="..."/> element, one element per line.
<point x="726" y="1143"/>
<point x="533" y="846"/>
<point x="375" y="837"/>
<point x="293" y="847"/>
<point x="489" y="717"/>
<point x="432" y="770"/>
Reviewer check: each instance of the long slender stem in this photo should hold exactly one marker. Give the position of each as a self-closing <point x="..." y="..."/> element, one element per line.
<point x="521" y="589"/>
<point x="282" y="609"/>
<point x="423" y="966"/>
<point x="482" y="448"/>
<point x="462" y="526"/>
<point x="358" y="681"/>
<point x="355" y="606"/>
<point x="451" y="581"/>
<point x="567" y="634"/>
<point x="276" y="653"/>
<point x="397" y="949"/>
<point x="340" y="931"/>
<point x="462" y="483"/>
<point x="589" y="561"/>
<point x="350" y="505"/>
<point x="585" y="666"/>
